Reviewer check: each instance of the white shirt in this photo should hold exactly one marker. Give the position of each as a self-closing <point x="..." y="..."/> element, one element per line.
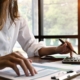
<point x="18" y="31"/>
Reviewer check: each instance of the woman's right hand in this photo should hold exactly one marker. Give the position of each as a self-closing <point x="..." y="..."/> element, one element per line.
<point x="14" y="59"/>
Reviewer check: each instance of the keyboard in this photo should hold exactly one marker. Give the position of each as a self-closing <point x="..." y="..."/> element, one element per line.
<point x="69" y="60"/>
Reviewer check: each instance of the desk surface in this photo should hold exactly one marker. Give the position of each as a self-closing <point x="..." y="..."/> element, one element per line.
<point x="38" y="60"/>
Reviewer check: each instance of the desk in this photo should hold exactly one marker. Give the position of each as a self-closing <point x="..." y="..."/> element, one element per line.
<point x="38" y="60"/>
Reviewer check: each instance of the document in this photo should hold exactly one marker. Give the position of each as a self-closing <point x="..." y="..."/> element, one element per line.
<point x="73" y="67"/>
<point x="44" y="72"/>
<point x="59" y="64"/>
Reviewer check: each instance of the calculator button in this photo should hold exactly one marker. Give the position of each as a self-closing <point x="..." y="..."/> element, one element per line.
<point x="73" y="60"/>
<point x="70" y="71"/>
<point x="53" y="77"/>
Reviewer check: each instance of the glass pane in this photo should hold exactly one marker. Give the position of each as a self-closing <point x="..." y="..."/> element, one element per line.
<point x="29" y="10"/>
<point x="60" y="17"/>
<point x="56" y="42"/>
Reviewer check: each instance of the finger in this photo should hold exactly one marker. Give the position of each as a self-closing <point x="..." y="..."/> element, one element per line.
<point x="35" y="71"/>
<point x="28" y="64"/>
<point x="21" y="63"/>
<point x="19" y="53"/>
<point x="22" y="55"/>
<point x="65" y="52"/>
<point x="30" y="60"/>
<point x="13" y="66"/>
<point x="30" y="67"/>
<point x="63" y="45"/>
<point x="65" y="49"/>
<point x="71" y="54"/>
<point x="69" y="45"/>
<point x="62" y="48"/>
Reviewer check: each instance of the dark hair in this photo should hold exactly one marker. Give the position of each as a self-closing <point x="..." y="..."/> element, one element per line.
<point x="12" y="9"/>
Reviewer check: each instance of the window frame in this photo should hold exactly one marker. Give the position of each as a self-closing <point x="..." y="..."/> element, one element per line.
<point x="40" y="36"/>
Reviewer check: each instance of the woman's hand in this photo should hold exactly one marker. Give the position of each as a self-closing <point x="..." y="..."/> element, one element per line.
<point x="14" y="59"/>
<point x="63" y="49"/>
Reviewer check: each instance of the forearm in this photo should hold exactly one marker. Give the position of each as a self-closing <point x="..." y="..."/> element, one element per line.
<point x="47" y="51"/>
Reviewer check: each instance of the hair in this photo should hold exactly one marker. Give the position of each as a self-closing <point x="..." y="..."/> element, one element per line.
<point x="12" y="11"/>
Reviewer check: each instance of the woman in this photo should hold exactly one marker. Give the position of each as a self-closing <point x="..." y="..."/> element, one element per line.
<point x="14" y="28"/>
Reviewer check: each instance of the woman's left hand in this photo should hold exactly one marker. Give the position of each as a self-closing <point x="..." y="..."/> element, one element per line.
<point x="63" y="49"/>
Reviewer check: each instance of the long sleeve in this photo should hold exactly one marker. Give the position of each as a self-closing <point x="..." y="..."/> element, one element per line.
<point x="27" y="40"/>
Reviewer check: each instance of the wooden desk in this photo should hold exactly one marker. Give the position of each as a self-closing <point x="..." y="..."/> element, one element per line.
<point x="38" y="60"/>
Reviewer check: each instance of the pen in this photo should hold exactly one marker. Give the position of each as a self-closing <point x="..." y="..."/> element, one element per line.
<point x="67" y="76"/>
<point x="67" y="45"/>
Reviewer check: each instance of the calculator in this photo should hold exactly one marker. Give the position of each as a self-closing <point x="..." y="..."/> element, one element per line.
<point x="69" y="60"/>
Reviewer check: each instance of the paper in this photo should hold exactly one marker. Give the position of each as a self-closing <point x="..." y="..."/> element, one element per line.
<point x="44" y="72"/>
<point x="59" y="64"/>
<point x="73" y="67"/>
<point x="65" y="55"/>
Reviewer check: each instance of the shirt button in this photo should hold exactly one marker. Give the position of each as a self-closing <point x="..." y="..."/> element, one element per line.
<point x="8" y="38"/>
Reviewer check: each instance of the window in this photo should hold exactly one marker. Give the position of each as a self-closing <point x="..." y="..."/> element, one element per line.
<point x="50" y="20"/>
<point x="59" y="19"/>
<point x="29" y="10"/>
